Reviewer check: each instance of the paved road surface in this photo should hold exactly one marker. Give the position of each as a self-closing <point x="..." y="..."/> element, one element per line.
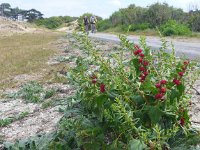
<point x="188" y="47"/>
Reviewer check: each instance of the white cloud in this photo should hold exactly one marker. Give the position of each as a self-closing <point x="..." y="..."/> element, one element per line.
<point x="115" y="2"/>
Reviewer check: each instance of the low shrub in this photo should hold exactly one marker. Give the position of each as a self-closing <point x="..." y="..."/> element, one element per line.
<point x="104" y="25"/>
<point x="142" y="26"/>
<point x="134" y="99"/>
<point x="139" y="102"/>
<point x="174" y="28"/>
<point x="54" y="22"/>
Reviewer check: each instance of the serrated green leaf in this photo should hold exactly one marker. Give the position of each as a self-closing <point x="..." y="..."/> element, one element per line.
<point x="155" y="114"/>
<point x="135" y="144"/>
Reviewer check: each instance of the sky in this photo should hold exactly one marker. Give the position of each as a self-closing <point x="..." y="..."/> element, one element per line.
<point x="103" y="8"/>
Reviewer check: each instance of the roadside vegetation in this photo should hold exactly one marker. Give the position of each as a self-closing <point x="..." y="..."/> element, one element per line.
<point x="145" y="20"/>
<point x="125" y="97"/>
<point x="137" y="101"/>
<point x="54" y="22"/>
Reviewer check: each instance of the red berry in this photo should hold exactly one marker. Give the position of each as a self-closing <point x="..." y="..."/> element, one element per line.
<point x="182" y="121"/>
<point x="163" y="90"/>
<point x="94" y="81"/>
<point x="102" y="88"/>
<point x="158" y="85"/>
<point x="158" y="96"/>
<point x="136" y="52"/>
<point x="181" y="73"/>
<point x="146" y="73"/>
<point x="163" y="82"/>
<point x="139" y="51"/>
<point x="142" y="55"/>
<point x="177" y="82"/>
<point x="142" y="69"/>
<point x="145" y="63"/>
<point x="143" y="77"/>
<point x="140" y="60"/>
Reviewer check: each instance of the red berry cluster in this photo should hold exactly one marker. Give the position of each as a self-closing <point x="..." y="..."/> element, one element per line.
<point x="143" y="63"/>
<point x="177" y="81"/>
<point x="182" y="121"/>
<point x="162" y="89"/>
<point x="94" y="79"/>
<point x="102" y="86"/>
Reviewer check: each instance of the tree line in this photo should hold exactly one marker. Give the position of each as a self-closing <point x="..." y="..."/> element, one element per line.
<point x="13" y="13"/>
<point x="155" y="15"/>
<point x="170" y="20"/>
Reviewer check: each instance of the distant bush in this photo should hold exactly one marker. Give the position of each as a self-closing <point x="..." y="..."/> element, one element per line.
<point x="134" y="27"/>
<point x="174" y="28"/>
<point x="104" y="25"/>
<point x="54" y="22"/>
<point x="142" y="26"/>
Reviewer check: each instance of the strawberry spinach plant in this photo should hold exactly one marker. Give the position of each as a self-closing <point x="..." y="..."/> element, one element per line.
<point x="135" y="98"/>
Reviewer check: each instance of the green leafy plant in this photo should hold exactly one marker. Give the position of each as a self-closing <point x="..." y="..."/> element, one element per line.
<point x="174" y="28"/>
<point x="35" y="143"/>
<point x="49" y="93"/>
<point x="32" y="92"/>
<point x="132" y="99"/>
<point x="7" y="121"/>
<point x="132" y="102"/>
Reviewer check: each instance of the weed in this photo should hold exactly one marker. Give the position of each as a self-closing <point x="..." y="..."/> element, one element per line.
<point x="7" y="121"/>
<point x="32" y="92"/>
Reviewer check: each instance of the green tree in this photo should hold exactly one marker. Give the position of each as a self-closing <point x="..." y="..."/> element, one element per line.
<point x="158" y="14"/>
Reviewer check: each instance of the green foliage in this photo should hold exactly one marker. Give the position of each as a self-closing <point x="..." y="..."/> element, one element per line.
<point x="54" y="22"/>
<point x="137" y="18"/>
<point x="124" y="113"/>
<point x="194" y="21"/>
<point x="7" y="121"/>
<point x="31" y="92"/>
<point x="49" y="93"/>
<point x="34" y="143"/>
<point x="119" y="110"/>
<point x="158" y="14"/>
<point x="50" y="23"/>
<point x="104" y="25"/>
<point x="174" y="28"/>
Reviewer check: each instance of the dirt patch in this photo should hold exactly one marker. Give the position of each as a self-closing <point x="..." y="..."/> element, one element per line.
<point x="69" y="26"/>
<point x="37" y="123"/>
<point x="9" y="27"/>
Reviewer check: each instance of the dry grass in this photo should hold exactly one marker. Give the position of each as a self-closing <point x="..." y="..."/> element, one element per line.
<point x="25" y="54"/>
